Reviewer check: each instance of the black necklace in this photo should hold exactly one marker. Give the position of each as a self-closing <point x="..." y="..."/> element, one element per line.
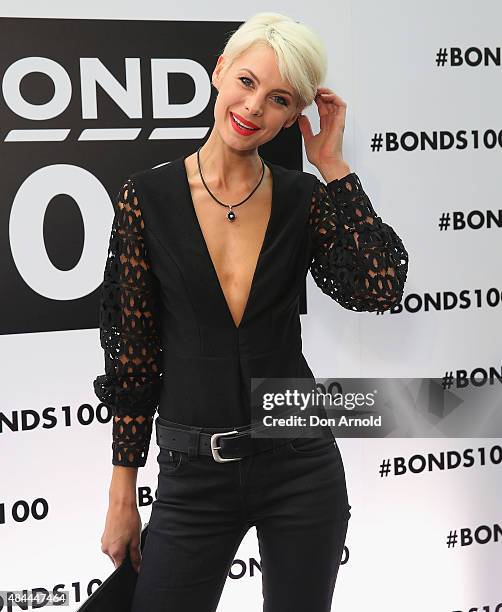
<point x="230" y="214"/>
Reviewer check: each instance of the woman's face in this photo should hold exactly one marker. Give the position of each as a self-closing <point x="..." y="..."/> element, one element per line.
<point x="252" y="90"/>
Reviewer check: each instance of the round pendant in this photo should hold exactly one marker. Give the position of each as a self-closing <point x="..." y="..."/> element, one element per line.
<point x="231" y="215"/>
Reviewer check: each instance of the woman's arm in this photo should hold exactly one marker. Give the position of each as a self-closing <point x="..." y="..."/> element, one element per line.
<point x="130" y="337"/>
<point x="122" y="491"/>
<point x="357" y="259"/>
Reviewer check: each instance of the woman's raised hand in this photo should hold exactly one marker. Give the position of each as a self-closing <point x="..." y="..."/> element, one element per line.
<point x="324" y="149"/>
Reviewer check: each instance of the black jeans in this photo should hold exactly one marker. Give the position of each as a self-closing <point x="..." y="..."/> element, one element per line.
<point x="294" y="494"/>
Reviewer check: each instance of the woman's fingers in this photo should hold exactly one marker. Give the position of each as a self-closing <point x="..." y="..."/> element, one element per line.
<point x="327" y="95"/>
<point x="135" y="555"/>
<point x="326" y="105"/>
<point x="325" y="112"/>
<point x="116" y="560"/>
<point x="330" y="107"/>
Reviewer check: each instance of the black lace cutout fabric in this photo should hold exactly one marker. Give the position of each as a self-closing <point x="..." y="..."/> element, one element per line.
<point x="357" y="259"/>
<point x="129" y="334"/>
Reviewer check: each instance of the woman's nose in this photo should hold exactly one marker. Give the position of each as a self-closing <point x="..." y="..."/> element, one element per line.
<point x="254" y="107"/>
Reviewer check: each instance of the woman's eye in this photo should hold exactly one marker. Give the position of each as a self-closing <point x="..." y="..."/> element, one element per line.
<point x="284" y="101"/>
<point x="242" y="79"/>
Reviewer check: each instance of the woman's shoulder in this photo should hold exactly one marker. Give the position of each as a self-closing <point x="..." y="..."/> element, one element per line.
<point x="158" y="172"/>
<point x="167" y="178"/>
<point x="162" y="180"/>
<point x="294" y="176"/>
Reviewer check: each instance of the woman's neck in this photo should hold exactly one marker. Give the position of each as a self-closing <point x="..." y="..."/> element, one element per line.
<point x="225" y="168"/>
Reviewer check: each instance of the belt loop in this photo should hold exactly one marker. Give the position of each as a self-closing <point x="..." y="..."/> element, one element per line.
<point x="193" y="446"/>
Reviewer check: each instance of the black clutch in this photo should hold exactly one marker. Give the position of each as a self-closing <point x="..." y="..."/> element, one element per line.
<point x="116" y="592"/>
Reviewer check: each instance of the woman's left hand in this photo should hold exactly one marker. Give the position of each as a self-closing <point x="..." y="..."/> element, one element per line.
<point x="324" y="150"/>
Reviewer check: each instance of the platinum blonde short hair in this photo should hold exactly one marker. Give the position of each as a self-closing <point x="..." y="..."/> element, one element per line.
<point x="301" y="55"/>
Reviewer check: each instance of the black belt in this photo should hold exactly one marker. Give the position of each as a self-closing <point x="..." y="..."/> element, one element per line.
<point x="234" y="444"/>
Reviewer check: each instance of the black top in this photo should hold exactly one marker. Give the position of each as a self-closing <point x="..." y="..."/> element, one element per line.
<point x="168" y="335"/>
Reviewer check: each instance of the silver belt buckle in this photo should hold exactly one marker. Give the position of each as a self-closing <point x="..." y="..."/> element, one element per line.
<point x="214" y="448"/>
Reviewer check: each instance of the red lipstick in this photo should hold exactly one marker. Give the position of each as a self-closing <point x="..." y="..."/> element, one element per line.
<point x="246" y="128"/>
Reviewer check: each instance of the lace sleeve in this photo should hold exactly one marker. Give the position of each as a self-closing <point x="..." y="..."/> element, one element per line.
<point x="129" y="336"/>
<point x="357" y="259"/>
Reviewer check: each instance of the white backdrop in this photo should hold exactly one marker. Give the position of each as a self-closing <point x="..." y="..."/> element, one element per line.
<point x="383" y="64"/>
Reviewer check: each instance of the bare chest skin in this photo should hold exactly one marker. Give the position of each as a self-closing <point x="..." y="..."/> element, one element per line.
<point x="234" y="246"/>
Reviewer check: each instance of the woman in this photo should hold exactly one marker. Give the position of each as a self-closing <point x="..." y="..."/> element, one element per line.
<point x="207" y="259"/>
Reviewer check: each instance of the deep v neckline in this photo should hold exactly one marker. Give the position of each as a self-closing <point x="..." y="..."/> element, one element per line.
<point x="209" y="259"/>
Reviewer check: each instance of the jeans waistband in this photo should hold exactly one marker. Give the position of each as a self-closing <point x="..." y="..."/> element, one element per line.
<point x="169" y="423"/>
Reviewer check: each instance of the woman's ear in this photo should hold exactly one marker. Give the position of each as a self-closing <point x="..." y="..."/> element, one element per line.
<point x="216" y="76"/>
